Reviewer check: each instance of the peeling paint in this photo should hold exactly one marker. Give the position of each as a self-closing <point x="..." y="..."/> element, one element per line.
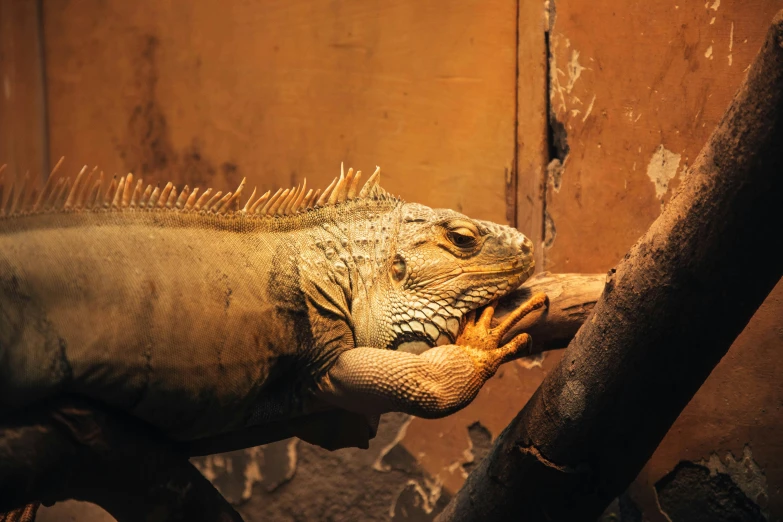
<point x="236" y="473"/>
<point x="589" y="109"/>
<point x="573" y="70"/>
<point x="534" y="361"/>
<point x="745" y="472"/>
<point x="715" y="5"/>
<point x="292" y="457"/>
<point x="252" y="473"/>
<point x="731" y="43"/>
<point x="693" y="492"/>
<point x="413" y="497"/>
<point x="479" y="444"/>
<point x="554" y="172"/>
<point x="662" y="168"/>
<point x="708" y="53"/>
<point x="549" y="230"/>
<point x="379" y="465"/>
<point x="220" y="471"/>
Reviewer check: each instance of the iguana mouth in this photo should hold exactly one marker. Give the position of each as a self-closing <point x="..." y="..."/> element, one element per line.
<point x="506" y="268"/>
<point x="511" y="268"/>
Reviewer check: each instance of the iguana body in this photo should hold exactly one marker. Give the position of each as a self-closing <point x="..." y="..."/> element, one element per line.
<point x="203" y="319"/>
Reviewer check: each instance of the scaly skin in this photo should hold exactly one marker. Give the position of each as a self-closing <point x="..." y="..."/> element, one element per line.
<point x="204" y="323"/>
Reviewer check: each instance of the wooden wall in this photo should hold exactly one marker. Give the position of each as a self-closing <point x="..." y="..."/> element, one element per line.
<point x="23" y="134"/>
<point x="573" y="120"/>
<point x="279" y="90"/>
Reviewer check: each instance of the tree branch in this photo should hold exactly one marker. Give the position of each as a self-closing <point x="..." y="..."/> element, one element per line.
<point x="669" y="312"/>
<point x="571" y="299"/>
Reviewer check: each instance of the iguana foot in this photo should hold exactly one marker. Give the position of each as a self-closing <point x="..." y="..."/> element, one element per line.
<point x="436" y="383"/>
<point x="483" y="340"/>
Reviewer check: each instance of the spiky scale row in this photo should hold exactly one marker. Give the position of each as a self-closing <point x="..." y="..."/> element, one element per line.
<point x="86" y="195"/>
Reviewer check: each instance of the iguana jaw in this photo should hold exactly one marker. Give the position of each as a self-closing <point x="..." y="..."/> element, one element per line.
<point x="501" y="268"/>
<point x="512" y="267"/>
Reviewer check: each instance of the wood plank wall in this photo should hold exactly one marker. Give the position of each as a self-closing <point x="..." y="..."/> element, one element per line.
<point x="23" y="131"/>
<point x="282" y="90"/>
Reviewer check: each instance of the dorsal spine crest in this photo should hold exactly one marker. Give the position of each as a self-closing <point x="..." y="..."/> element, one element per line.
<point x="85" y="194"/>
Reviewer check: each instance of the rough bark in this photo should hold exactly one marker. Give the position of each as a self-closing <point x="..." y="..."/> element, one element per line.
<point x="669" y="312"/>
<point x="571" y="299"/>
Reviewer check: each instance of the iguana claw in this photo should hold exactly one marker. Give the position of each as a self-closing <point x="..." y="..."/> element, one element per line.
<point x="479" y="335"/>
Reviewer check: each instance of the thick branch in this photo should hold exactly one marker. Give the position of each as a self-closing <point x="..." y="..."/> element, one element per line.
<point x="571" y="299"/>
<point x="669" y="312"/>
<point x="76" y="450"/>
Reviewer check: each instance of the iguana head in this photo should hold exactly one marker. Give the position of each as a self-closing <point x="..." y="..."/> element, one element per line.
<point x="441" y="265"/>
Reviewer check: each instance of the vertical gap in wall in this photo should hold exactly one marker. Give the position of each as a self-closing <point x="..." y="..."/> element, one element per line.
<point x="549" y="131"/>
<point x="44" y="101"/>
<point x="512" y="178"/>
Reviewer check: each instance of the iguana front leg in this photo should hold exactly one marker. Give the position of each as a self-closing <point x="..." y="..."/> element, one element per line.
<point x="433" y="384"/>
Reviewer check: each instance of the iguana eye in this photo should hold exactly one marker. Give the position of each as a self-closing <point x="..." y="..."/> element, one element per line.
<point x="462" y="237"/>
<point x="398" y="268"/>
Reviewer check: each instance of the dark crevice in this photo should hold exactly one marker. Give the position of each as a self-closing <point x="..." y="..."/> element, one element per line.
<point x="556" y="139"/>
<point x="512" y="179"/>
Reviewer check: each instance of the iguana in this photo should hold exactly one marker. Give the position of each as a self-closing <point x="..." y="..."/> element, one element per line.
<point x="206" y="318"/>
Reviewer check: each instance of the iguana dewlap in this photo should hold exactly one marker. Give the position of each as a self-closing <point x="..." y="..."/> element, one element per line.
<point x="202" y="318"/>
